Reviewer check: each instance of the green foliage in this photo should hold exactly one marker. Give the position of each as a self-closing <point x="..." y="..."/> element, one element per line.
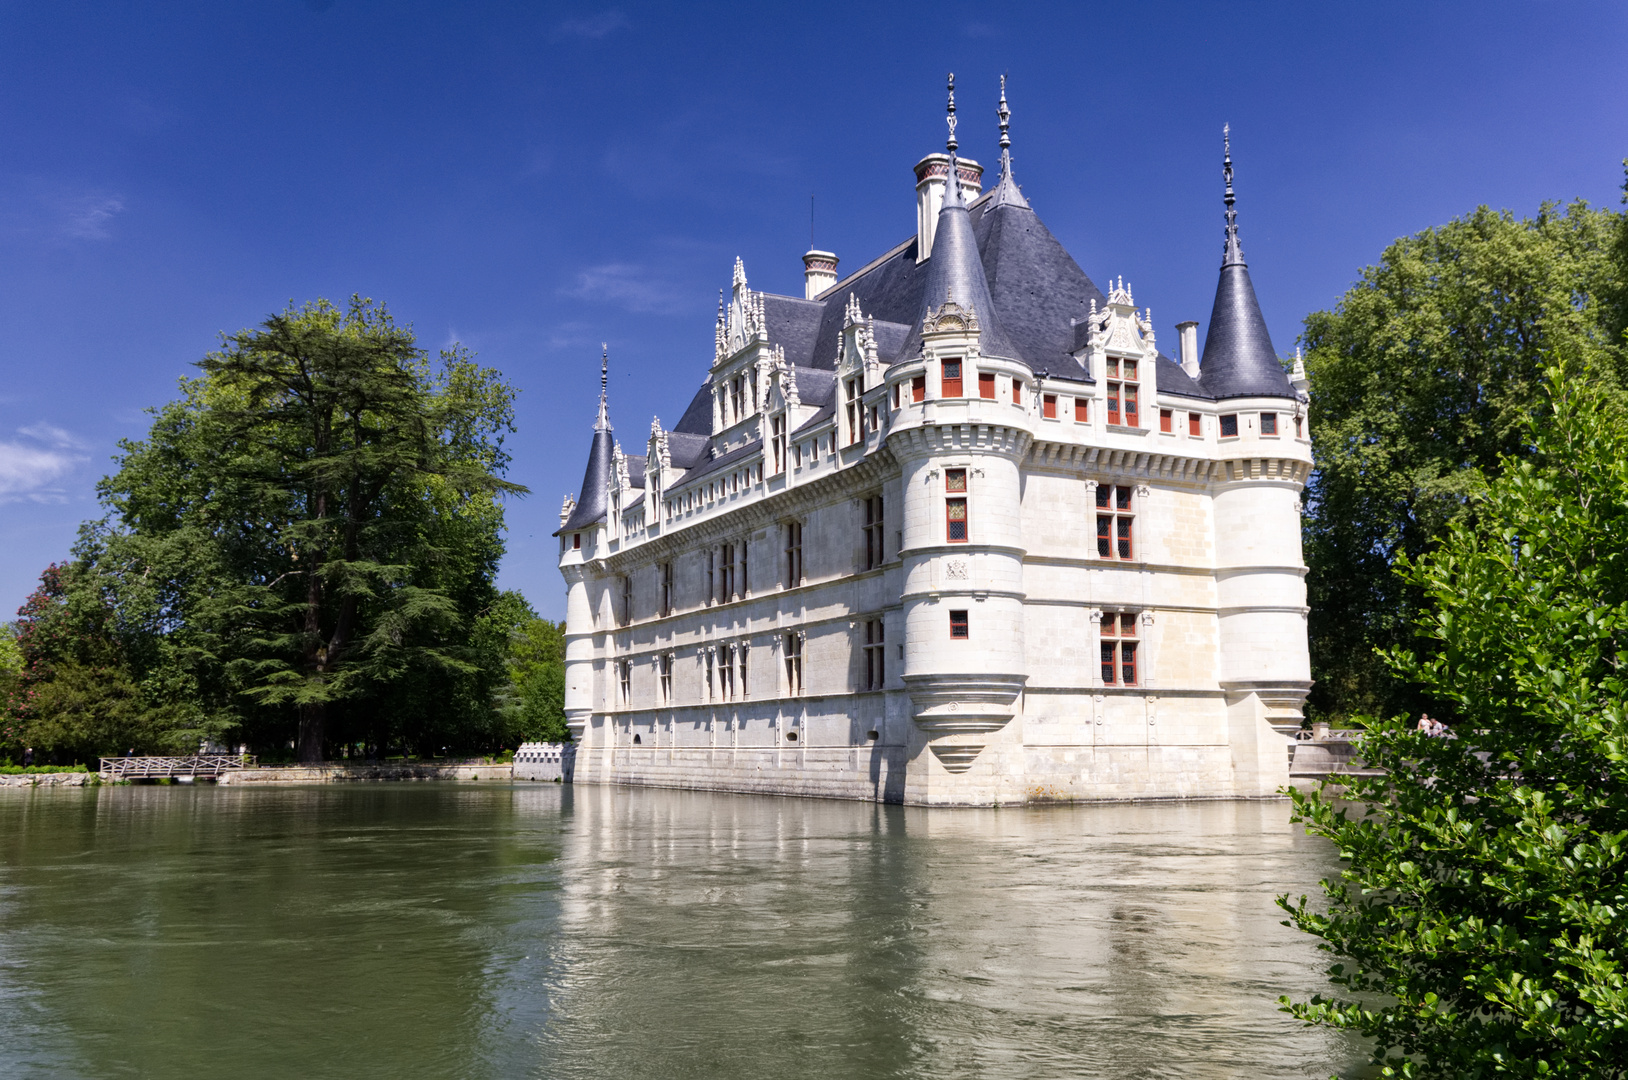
<point x="1483" y="907"/>
<point x="1423" y="379"/>
<point x="303" y="548"/>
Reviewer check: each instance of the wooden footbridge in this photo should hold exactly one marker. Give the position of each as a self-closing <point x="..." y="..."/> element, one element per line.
<point x="208" y="766"/>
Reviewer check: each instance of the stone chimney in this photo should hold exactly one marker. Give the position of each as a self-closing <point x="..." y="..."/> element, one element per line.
<point x="819" y="273"/>
<point x="1189" y="347"/>
<point x="930" y="174"/>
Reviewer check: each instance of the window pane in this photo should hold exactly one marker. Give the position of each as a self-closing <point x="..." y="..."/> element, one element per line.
<point x="1130" y="406"/>
<point x="1082" y="409"/>
<point x="1110" y="625"/>
<point x="1130" y="369"/>
<point x="956" y="515"/>
<point x="1127" y="626"/>
<point x="1195" y="424"/>
<point x="958" y="624"/>
<point x="1048" y="406"/>
<point x="1122" y="497"/>
<point x="1113" y="367"/>
<point x="986" y="385"/>
<point x="1269" y="423"/>
<point x="918" y="388"/>
<point x="955" y="479"/>
<point x="1108" y="664"/>
<point x="1229" y="425"/>
<point x="1124" y="538"/>
<point x="1127" y="663"/>
<point x="1104" y="535"/>
<point x="1103" y="491"/>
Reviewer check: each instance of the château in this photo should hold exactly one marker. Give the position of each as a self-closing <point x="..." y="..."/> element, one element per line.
<point x="951" y="530"/>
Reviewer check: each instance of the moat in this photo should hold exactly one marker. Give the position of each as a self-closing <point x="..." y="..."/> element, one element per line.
<point x="475" y="930"/>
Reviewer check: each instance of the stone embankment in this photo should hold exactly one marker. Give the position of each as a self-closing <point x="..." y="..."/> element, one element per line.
<point x="57" y="779"/>
<point x="341" y="772"/>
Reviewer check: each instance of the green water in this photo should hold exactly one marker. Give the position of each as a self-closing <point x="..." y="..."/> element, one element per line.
<point x="474" y="930"/>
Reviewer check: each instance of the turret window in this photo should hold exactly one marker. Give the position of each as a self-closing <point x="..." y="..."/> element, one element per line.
<point x="986" y="385"/>
<point x="1122" y="392"/>
<point x="1167" y="420"/>
<point x="1115" y="521"/>
<point x="1229" y="426"/>
<point x="951" y="381"/>
<point x="1269" y="423"/>
<point x="1119" y="642"/>
<point x="1195" y="424"/>
<point x="1017" y="392"/>
<point x="1048" y="406"/>
<point x="1082" y="410"/>
<point x="918" y="388"/>
<point x="955" y="506"/>
<point x="958" y="626"/>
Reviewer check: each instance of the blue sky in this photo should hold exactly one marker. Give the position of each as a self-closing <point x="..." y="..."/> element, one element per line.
<point x="532" y="179"/>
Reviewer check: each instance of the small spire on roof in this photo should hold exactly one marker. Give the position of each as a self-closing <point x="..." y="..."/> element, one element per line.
<point x="1006" y="189"/>
<point x="1234" y="251"/>
<point x="1006" y="122"/>
<point x="603" y="423"/>
<point x="950" y="144"/>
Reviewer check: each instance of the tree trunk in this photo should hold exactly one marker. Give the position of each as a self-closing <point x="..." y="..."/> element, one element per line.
<point x="313" y="715"/>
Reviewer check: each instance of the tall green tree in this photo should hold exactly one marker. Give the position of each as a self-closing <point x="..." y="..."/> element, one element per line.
<point x="1424" y="378"/>
<point x="1481" y="916"/>
<point x="305" y="543"/>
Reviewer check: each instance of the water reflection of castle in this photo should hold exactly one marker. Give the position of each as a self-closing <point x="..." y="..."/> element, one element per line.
<point x="951" y="530"/>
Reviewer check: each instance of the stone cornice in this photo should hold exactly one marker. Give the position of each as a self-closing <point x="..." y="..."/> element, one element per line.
<point x="1169" y="467"/>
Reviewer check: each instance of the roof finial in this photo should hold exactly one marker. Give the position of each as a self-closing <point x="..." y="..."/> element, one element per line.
<point x="603" y="423"/>
<point x="1234" y="252"/>
<point x="950" y="144"/>
<point x="1006" y="122"/>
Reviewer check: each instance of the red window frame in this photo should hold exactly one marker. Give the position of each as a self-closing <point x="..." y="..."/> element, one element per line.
<point x="1229" y="426"/>
<point x="1082" y="409"/>
<point x="950" y="379"/>
<point x="1048" y="406"/>
<point x="576" y="541"/>
<point x="959" y="629"/>
<point x="918" y="388"/>
<point x="1167" y="420"/>
<point x="1116" y="532"/>
<point x="986" y="385"/>
<point x="956" y="523"/>
<point x="1118" y="649"/>
<point x="1017" y="392"/>
<point x="1195" y="424"/>
<point x="1269" y="423"/>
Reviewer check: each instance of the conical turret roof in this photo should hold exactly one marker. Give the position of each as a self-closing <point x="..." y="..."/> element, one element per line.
<point x="955" y="271"/>
<point x="594" y="501"/>
<point x="1238" y="360"/>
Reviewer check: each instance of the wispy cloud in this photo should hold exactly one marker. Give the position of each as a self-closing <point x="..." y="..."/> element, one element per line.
<point x="30" y="468"/>
<point x="593" y="27"/>
<point x="86" y="217"/>
<point x="631" y="286"/>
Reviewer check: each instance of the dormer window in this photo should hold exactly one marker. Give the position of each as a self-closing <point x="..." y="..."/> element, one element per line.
<point x="856" y="413"/>
<point x="1122" y="391"/>
<point x="951" y="381"/>
<point x="737" y="397"/>
<point x="777" y="429"/>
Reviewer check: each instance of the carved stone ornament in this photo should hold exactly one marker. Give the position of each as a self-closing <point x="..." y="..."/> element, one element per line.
<point x="955" y="570"/>
<point x="950" y="318"/>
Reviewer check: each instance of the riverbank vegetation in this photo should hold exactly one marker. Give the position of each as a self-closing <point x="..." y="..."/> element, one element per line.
<point x="1467" y="538"/>
<point x="300" y="557"/>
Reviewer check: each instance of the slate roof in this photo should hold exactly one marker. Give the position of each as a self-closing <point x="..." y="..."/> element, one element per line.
<point x="1032" y="300"/>
<point x="595" y="497"/>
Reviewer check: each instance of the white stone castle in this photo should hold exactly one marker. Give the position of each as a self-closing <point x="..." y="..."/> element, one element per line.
<point x="952" y="531"/>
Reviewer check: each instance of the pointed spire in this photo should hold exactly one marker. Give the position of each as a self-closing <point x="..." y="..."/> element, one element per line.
<point x="956" y="270"/>
<point x="1006" y="189"/>
<point x="1234" y="252"/>
<point x="603" y="423"/>
<point x="1239" y="360"/>
<point x="950" y="144"/>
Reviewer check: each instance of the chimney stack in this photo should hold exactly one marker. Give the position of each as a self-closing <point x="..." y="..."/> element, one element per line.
<point x="819" y="273"/>
<point x="1189" y="347"/>
<point x="931" y="173"/>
